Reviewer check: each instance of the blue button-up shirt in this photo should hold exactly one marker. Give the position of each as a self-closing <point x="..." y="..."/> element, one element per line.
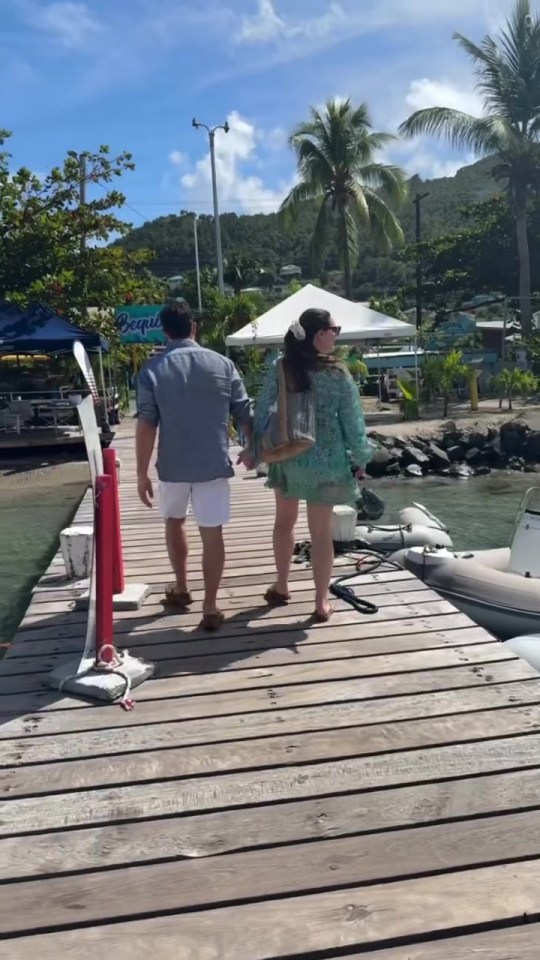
<point x="190" y="393"/>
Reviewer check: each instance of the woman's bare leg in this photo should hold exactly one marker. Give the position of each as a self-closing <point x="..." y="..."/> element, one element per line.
<point x="286" y="517"/>
<point x="322" y="553"/>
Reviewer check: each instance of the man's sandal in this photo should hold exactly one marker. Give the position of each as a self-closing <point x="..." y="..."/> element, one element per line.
<point x="175" y="599"/>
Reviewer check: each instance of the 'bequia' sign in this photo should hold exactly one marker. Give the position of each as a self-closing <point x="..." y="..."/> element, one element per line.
<point x="140" y="324"/>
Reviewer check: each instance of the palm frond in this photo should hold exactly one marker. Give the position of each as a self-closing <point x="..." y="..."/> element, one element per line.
<point x="292" y="204"/>
<point x="484" y="135"/>
<point x="336" y="151"/>
<point x="358" y="207"/>
<point x="383" y="176"/>
<point x="385" y="227"/>
<point x="378" y="140"/>
<point x="314" y="163"/>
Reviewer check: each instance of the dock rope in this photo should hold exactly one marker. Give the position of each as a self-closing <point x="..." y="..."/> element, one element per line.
<point x="365" y="561"/>
<point x="114" y="666"/>
<point x="126" y="702"/>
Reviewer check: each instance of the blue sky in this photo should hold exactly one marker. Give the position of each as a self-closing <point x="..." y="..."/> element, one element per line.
<point x="133" y="74"/>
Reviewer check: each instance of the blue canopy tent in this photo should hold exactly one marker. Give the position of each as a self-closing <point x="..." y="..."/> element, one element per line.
<point x="38" y="329"/>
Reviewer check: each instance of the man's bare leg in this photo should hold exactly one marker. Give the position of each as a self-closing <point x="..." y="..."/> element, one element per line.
<point x="213" y="566"/>
<point x="177" y="548"/>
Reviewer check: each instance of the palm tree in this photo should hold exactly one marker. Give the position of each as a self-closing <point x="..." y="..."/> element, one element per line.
<point x="452" y="369"/>
<point x="508" y="79"/>
<point x="430" y="371"/>
<point x="335" y="150"/>
<point x="241" y="272"/>
<point x="509" y="382"/>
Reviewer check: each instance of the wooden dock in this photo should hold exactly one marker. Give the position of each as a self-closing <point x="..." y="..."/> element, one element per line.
<point x="282" y="790"/>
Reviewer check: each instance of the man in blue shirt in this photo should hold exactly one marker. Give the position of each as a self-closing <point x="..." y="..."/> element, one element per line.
<point x="190" y="393"/>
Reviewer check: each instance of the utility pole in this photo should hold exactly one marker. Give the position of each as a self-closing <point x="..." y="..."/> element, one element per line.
<point x="197" y="266"/>
<point x="417" y="202"/>
<point x="212" y="137"/>
<point x="83" y="264"/>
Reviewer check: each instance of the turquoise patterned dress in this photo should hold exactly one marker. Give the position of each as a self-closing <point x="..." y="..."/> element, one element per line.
<point x="322" y="474"/>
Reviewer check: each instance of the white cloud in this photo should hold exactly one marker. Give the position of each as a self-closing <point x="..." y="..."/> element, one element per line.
<point x="177" y="158"/>
<point x="424" y="161"/>
<point x="238" y="187"/>
<point x="425" y="93"/>
<point x="275" y="22"/>
<point x="70" y="24"/>
<point x="426" y="156"/>
<point x="275" y="139"/>
<point x="263" y="26"/>
<point x="267" y="25"/>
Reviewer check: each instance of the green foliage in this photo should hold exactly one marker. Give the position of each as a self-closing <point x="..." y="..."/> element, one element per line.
<point x="220" y="315"/>
<point x="262" y="237"/>
<point x="241" y="271"/>
<point x="509" y="82"/>
<point x="409" y="402"/>
<point x="390" y="306"/>
<point x="357" y="368"/>
<point x="478" y="258"/>
<point x="336" y="151"/>
<point x="512" y="381"/>
<point x="52" y="245"/>
<point x="430" y="370"/>
<point x="452" y="369"/>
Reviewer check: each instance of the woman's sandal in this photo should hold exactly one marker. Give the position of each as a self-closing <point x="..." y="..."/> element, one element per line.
<point x="276" y="599"/>
<point x="211" y="622"/>
<point x="176" y="599"/>
<point x="323" y="617"/>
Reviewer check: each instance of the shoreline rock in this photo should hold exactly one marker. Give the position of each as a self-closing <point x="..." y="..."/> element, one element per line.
<point x="451" y="451"/>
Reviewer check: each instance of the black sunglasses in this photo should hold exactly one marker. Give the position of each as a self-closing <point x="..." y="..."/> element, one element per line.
<point x="336" y="330"/>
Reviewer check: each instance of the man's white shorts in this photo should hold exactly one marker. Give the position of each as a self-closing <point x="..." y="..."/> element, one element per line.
<point x="210" y="502"/>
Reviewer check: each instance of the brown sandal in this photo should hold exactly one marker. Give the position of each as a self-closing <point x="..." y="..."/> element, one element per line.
<point x="176" y="599"/>
<point x="323" y="617"/>
<point x="211" y="622"/>
<point x="276" y="599"/>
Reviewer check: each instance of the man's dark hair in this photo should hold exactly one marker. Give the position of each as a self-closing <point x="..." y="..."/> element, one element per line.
<point x="177" y="321"/>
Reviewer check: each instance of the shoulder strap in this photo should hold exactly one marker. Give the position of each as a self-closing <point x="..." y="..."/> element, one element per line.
<point x="282" y="400"/>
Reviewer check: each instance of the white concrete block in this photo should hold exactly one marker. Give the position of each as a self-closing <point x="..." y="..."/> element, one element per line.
<point x="76" y="547"/>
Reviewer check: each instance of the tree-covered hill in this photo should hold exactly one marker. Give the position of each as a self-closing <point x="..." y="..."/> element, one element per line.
<point x="260" y="236"/>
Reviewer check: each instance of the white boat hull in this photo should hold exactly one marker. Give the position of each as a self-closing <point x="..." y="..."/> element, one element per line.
<point x="481" y="585"/>
<point x="503" y="623"/>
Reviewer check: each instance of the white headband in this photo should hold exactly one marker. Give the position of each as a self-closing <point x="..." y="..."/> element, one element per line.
<point x="297" y="330"/>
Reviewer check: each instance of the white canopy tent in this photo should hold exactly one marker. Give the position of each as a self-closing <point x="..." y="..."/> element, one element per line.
<point x="357" y="321"/>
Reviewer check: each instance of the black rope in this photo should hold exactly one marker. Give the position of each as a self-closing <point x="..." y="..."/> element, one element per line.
<point x="365" y="561"/>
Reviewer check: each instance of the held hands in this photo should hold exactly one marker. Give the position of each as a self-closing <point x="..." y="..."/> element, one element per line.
<point x="360" y="473"/>
<point x="145" y="491"/>
<point x="246" y="459"/>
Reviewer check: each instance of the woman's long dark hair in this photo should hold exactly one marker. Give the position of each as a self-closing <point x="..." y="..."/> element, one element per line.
<point x="300" y="358"/>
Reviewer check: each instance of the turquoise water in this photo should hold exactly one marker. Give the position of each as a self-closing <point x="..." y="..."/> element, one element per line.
<point x="479" y="512"/>
<point x="30" y="521"/>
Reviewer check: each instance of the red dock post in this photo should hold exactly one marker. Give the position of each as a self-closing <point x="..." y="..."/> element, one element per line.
<point x="110" y="468"/>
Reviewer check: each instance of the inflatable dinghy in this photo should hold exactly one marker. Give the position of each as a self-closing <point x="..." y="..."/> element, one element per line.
<point x="417" y="527"/>
<point x="498" y="589"/>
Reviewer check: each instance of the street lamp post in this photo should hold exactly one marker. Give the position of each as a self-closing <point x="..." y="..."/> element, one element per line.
<point x="197" y="265"/>
<point x="212" y="136"/>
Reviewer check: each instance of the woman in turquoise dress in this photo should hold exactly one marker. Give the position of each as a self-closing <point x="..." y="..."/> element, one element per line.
<point x="326" y="474"/>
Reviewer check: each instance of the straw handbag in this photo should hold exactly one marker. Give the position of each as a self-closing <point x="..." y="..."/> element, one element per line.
<point x="290" y="426"/>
